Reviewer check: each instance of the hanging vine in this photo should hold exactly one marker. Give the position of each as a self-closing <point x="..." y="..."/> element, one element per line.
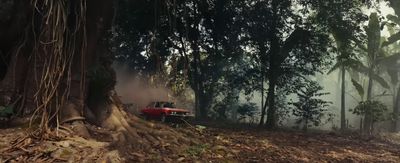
<point x="59" y="37"/>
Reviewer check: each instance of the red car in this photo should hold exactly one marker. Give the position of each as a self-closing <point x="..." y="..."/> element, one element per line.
<point x="164" y="111"/>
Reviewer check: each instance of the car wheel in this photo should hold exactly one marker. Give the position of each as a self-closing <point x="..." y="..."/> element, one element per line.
<point x="163" y="118"/>
<point x="146" y="117"/>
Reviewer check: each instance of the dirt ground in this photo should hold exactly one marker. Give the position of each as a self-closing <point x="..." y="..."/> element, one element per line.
<point x="217" y="145"/>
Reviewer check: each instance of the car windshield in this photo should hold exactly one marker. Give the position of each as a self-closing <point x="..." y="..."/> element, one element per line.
<point x="169" y="105"/>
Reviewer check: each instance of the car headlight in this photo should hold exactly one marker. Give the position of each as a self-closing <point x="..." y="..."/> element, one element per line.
<point x="173" y="112"/>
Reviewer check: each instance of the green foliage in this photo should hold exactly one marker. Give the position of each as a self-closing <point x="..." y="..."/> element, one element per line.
<point x="374" y="55"/>
<point x="310" y="108"/>
<point x="380" y="80"/>
<point x="374" y="108"/>
<point x="247" y="110"/>
<point x="150" y="33"/>
<point x="358" y="87"/>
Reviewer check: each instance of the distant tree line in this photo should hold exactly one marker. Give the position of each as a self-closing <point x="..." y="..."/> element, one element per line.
<point x="223" y="49"/>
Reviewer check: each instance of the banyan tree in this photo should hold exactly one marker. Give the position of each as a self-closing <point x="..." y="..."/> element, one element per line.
<point x="55" y="67"/>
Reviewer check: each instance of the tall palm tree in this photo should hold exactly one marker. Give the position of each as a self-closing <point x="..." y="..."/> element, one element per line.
<point x="344" y="27"/>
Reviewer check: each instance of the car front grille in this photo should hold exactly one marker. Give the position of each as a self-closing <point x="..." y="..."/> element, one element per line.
<point x="178" y="113"/>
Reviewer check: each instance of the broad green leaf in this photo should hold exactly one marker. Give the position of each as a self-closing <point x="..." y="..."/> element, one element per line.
<point x="380" y="80"/>
<point x="359" y="67"/>
<point x="358" y="87"/>
<point x="348" y="63"/>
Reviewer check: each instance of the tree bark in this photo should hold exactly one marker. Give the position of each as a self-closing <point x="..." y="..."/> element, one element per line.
<point x="343" y="102"/>
<point x="271" y="113"/>
<point x="276" y="57"/>
<point x="367" y="128"/>
<point x="196" y="76"/>
<point x="194" y="36"/>
<point x="262" y="100"/>
<point x="263" y="58"/>
<point x="263" y="110"/>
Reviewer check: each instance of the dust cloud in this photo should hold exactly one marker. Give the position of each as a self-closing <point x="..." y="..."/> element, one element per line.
<point x="137" y="91"/>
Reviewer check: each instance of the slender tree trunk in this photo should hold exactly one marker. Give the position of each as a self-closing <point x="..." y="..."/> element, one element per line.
<point x="262" y="101"/>
<point x="343" y="102"/>
<point x="368" y="115"/>
<point x="196" y="104"/>
<point x="305" y="127"/>
<point x="196" y="75"/>
<point x="396" y="106"/>
<point x="263" y="59"/>
<point x="263" y="110"/>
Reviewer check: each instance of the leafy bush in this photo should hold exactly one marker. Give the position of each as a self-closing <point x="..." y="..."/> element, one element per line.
<point x="310" y="109"/>
<point x="247" y="110"/>
<point x="374" y="108"/>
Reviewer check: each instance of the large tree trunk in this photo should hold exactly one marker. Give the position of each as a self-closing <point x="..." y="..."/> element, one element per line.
<point x="205" y="102"/>
<point x="271" y="113"/>
<point x="13" y="67"/>
<point x="48" y="62"/>
<point x="196" y="80"/>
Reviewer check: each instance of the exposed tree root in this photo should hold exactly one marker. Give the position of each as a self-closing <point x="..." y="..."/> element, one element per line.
<point x="140" y="134"/>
